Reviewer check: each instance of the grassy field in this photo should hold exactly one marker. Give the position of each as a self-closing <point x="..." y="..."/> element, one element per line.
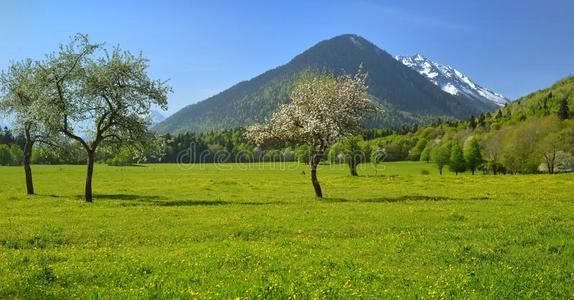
<point x="162" y="231"/>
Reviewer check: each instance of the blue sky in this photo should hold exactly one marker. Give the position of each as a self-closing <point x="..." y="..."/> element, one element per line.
<point x="204" y="47"/>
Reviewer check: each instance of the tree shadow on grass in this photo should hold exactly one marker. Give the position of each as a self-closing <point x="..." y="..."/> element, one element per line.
<point x="182" y="203"/>
<point x="123" y="197"/>
<point x="47" y="195"/>
<point x="213" y="203"/>
<point x="402" y="199"/>
<point x="132" y="200"/>
<point x="411" y="198"/>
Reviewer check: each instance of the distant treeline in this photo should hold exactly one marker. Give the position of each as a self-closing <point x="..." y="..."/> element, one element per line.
<point x="217" y="146"/>
<point x="539" y="144"/>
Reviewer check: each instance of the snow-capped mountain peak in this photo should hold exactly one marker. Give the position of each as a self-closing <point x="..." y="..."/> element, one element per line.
<point x="419" y="57"/>
<point x="451" y="80"/>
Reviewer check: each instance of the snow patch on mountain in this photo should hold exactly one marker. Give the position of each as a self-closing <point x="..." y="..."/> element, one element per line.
<point x="451" y="80"/>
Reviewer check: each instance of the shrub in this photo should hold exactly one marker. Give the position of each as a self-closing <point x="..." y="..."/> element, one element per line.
<point x="16" y="155"/>
<point x="5" y="157"/>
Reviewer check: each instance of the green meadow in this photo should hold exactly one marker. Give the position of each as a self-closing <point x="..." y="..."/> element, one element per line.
<point x="256" y="231"/>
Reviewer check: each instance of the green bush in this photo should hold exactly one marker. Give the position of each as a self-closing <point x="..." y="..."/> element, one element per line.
<point x="16" y="155"/>
<point x="5" y="156"/>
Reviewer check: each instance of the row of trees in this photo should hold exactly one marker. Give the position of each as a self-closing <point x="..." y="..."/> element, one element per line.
<point x="11" y="155"/>
<point x="543" y="144"/>
<point x="10" y="151"/>
<point x="457" y="158"/>
<point x="82" y="94"/>
<point x="494" y="147"/>
<point x="212" y="147"/>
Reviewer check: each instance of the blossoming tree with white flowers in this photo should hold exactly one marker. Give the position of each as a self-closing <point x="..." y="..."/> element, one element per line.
<point x="21" y="91"/>
<point x="324" y="109"/>
<point x="97" y="97"/>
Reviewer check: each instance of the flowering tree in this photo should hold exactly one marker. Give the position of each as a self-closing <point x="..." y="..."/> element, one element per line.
<point x="21" y="92"/>
<point x="324" y="109"/>
<point x="94" y="97"/>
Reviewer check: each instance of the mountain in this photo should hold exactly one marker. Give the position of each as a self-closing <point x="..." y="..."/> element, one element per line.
<point x="451" y="80"/>
<point x="408" y="96"/>
<point x="156" y="117"/>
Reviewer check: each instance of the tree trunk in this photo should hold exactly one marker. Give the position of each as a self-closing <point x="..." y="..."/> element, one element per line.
<point x="472" y="171"/>
<point x="27" y="168"/>
<point x="440" y="171"/>
<point x="549" y="165"/>
<point x="314" y="163"/>
<point x="353" y="168"/>
<point x="88" y="192"/>
<point x="550" y="159"/>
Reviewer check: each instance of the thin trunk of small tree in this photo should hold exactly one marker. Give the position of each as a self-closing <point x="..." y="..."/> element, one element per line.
<point x="353" y="168"/>
<point x="315" y="159"/>
<point x="89" y="175"/>
<point x="550" y="162"/>
<point x="27" y="168"/>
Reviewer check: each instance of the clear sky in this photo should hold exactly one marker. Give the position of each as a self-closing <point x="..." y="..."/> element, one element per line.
<point x="204" y="47"/>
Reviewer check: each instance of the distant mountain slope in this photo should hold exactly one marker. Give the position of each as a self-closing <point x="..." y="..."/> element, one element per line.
<point x="451" y="80"/>
<point x="540" y="103"/>
<point x="409" y="97"/>
<point x="156" y="117"/>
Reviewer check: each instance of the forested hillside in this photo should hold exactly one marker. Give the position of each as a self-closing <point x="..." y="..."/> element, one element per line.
<point x="533" y="134"/>
<point x="538" y="104"/>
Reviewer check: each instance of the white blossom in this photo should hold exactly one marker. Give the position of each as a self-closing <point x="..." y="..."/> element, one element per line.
<point x="324" y="110"/>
